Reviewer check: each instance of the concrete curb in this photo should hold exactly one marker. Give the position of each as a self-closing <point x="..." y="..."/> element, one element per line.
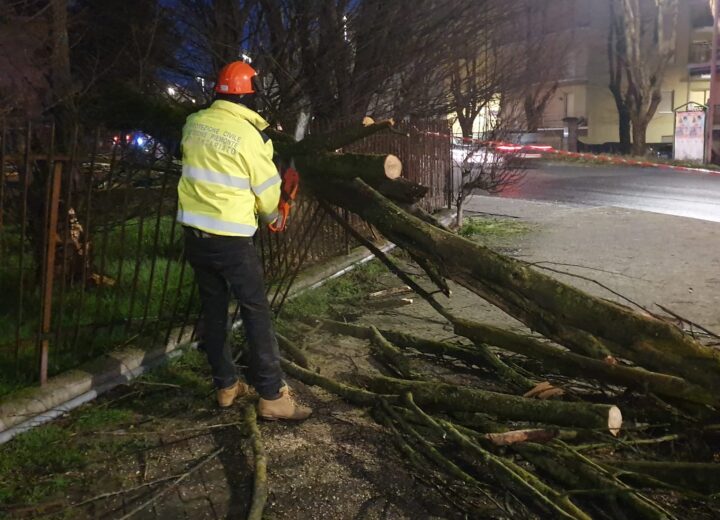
<point x="64" y="392"/>
<point x="70" y="389"/>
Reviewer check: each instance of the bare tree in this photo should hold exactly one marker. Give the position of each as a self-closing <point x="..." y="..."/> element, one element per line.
<point x="644" y="33"/>
<point x="337" y="59"/>
<point x="541" y="54"/>
<point x="617" y="50"/>
<point x="478" y="78"/>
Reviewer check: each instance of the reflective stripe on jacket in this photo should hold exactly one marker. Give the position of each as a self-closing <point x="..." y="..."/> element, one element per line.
<point x="228" y="177"/>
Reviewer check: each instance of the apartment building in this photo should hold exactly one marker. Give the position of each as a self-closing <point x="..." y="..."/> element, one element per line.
<point x="583" y="90"/>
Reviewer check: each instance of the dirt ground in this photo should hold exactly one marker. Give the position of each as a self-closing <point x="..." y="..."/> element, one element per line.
<point x="109" y="458"/>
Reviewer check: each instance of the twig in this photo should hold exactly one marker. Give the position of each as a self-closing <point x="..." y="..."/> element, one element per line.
<point x="675" y="315"/>
<point x="182" y="430"/>
<point x="260" y="486"/>
<point x="172" y="486"/>
<point x="637" y="442"/>
<point x="152" y="383"/>
<point x="110" y="494"/>
<point x="597" y="269"/>
<point x="388" y="263"/>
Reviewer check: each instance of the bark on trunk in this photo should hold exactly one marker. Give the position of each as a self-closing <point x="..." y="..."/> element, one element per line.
<point x="587" y="325"/>
<point x="563" y="313"/>
<point x="575" y="365"/>
<point x="697" y="476"/>
<point x="374" y="168"/>
<point x="624" y="130"/>
<point x="577" y="472"/>
<point x="639" y="132"/>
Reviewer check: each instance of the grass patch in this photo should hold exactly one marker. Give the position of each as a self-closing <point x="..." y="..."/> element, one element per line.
<point x="482" y="227"/>
<point x="90" y="321"/>
<point x="189" y="371"/>
<point x="606" y="160"/>
<point x="351" y="286"/>
<point x="48" y="462"/>
<point x="33" y="465"/>
<point x="95" y="417"/>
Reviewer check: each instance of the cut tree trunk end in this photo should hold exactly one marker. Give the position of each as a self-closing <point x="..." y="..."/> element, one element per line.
<point x="459" y="398"/>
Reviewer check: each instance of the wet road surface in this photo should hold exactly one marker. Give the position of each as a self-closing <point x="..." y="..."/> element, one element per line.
<point x="686" y="194"/>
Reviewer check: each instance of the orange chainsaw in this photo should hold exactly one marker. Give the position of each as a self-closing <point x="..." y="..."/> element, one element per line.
<point x="288" y="192"/>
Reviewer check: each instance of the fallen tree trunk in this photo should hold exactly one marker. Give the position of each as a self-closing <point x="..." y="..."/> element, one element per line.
<point x="576" y="472"/>
<point x="569" y="363"/>
<point x="374" y="168"/>
<point x="696" y="476"/>
<point x="260" y="486"/>
<point x="330" y="141"/>
<point x="585" y="324"/>
<point x="451" y="397"/>
<point x="565" y="314"/>
<point x="507" y="473"/>
<point x="477" y="355"/>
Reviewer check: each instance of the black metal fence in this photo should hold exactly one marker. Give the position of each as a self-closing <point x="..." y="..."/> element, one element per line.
<point x="91" y="255"/>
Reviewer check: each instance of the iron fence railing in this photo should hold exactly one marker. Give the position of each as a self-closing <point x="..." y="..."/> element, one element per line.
<point x="91" y="255"/>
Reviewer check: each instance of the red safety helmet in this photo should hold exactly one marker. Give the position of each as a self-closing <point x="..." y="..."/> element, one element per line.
<point x="236" y="78"/>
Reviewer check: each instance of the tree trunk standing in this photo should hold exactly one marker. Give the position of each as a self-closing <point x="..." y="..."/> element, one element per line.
<point x="466" y="125"/>
<point x="639" y="134"/>
<point x="535" y="104"/>
<point x="643" y="56"/>
<point x="460" y="205"/>
<point x="63" y="105"/>
<point x="617" y="51"/>
<point x="72" y="251"/>
<point x="533" y="115"/>
<point x="623" y="126"/>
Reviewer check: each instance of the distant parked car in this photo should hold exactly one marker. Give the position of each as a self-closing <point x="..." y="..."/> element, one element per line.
<point x="469" y="154"/>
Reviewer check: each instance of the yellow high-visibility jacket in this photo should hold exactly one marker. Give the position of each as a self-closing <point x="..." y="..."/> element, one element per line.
<point x="228" y="176"/>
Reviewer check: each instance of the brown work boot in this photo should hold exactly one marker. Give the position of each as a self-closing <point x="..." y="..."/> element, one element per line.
<point x="226" y="396"/>
<point x="284" y="408"/>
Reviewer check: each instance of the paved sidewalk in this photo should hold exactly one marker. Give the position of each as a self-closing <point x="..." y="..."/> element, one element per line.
<point x="648" y="257"/>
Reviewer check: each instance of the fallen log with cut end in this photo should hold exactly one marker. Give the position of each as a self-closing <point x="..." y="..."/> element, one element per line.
<point x="372" y="168"/>
<point x="457" y="398"/>
<point x="520" y="436"/>
<point x="382" y="171"/>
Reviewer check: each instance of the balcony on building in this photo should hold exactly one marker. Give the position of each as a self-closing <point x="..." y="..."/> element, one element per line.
<point x="699" y="57"/>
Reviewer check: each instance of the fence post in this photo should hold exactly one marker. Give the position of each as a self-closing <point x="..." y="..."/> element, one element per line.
<point x="49" y="269"/>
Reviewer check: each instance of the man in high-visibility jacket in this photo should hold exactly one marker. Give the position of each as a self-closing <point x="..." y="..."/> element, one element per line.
<point x="229" y="181"/>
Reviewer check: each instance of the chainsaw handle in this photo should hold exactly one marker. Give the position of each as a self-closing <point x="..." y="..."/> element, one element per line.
<point x="288" y="192"/>
<point x="280" y="222"/>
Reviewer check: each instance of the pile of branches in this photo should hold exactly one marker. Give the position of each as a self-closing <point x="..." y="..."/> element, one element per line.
<point x="556" y="458"/>
<point x="561" y="450"/>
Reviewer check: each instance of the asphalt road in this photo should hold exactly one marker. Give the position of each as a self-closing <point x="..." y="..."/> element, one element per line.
<point x="685" y="194"/>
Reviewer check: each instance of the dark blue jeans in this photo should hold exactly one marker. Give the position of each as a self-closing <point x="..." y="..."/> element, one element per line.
<point x="224" y="266"/>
